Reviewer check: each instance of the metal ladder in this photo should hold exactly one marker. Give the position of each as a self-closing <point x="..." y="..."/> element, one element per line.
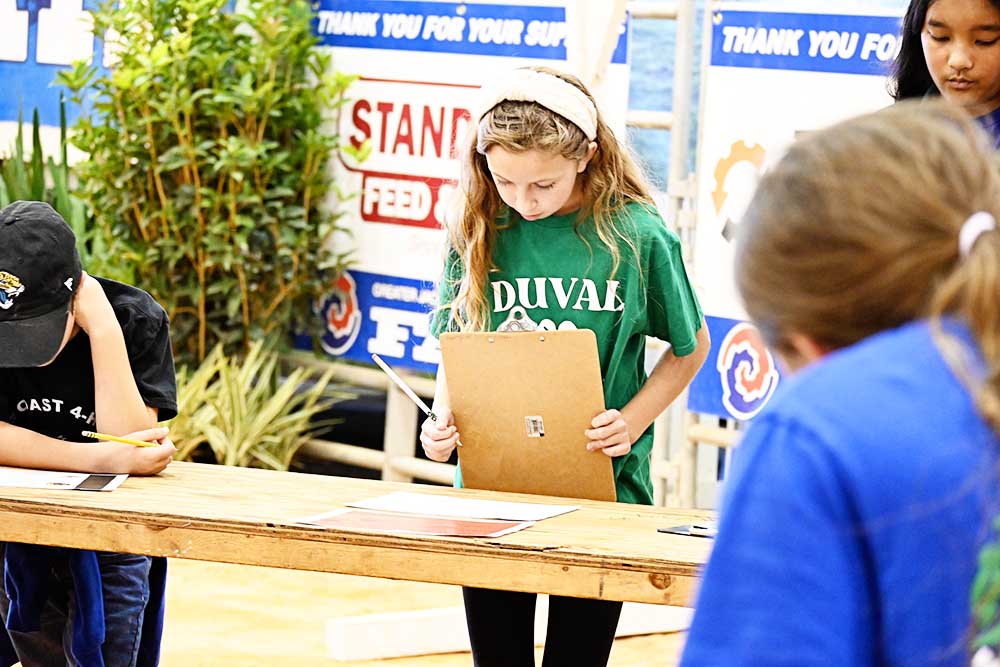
<point x="674" y="457"/>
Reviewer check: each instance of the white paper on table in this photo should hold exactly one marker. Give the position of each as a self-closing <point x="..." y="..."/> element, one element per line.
<point x="51" y="479"/>
<point x="468" y="508"/>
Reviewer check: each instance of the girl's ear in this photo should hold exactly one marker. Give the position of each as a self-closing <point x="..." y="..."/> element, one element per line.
<point x="591" y="150"/>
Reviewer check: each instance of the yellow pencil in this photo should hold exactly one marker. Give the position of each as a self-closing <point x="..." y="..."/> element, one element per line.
<point x="115" y="438"/>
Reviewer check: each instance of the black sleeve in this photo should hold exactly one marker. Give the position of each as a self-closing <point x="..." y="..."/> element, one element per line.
<point x="152" y="362"/>
<point x="6" y="409"/>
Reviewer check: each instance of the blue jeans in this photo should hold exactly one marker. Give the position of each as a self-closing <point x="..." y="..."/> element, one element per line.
<point x="125" y="592"/>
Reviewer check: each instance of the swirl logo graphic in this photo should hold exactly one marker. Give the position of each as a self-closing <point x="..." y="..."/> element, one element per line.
<point x="747" y="371"/>
<point x="342" y="315"/>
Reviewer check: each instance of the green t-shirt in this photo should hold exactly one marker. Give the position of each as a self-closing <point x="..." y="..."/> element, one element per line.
<point x="548" y="273"/>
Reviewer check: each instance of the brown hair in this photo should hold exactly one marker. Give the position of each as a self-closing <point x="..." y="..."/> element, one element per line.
<point x="612" y="180"/>
<point x="856" y="229"/>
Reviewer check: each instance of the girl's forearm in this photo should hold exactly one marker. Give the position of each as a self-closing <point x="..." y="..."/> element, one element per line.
<point x="442" y="402"/>
<point x="669" y="378"/>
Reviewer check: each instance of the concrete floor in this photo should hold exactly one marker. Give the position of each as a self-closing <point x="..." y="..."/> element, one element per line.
<point x="229" y="615"/>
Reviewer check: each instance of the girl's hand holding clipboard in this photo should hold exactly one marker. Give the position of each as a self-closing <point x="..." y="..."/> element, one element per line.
<point x="609" y="434"/>
<point x="439" y="437"/>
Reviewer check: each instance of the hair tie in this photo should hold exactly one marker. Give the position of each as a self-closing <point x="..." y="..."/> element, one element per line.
<point x="977" y="225"/>
<point x="550" y="91"/>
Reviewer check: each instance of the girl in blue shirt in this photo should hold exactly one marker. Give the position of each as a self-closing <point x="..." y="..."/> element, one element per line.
<point x="859" y="499"/>
<point x="951" y="48"/>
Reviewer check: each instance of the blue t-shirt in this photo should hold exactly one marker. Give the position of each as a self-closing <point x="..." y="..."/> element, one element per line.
<point x="853" y="517"/>
<point x="991" y="123"/>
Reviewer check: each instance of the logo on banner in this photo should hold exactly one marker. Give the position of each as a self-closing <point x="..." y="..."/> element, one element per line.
<point x="342" y="315"/>
<point x="747" y="371"/>
<point x="739" y="154"/>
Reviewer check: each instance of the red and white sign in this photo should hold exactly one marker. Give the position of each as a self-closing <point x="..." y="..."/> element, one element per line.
<point x="421" y="65"/>
<point x="415" y="130"/>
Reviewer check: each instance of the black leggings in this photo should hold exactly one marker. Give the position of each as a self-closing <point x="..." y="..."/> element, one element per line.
<point x="502" y="629"/>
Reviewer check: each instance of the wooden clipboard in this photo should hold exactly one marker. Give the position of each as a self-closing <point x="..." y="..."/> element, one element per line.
<point x="522" y="401"/>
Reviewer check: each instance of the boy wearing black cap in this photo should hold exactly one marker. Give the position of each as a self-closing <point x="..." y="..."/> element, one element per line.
<point x="78" y="353"/>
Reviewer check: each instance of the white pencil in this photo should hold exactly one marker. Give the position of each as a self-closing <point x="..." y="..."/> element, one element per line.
<point x="406" y="389"/>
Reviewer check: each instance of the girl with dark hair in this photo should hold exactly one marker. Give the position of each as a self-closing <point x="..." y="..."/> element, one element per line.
<point x="952" y="48"/>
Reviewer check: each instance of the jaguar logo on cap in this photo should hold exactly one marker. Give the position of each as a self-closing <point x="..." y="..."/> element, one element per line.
<point x="37" y="257"/>
<point x="10" y="287"/>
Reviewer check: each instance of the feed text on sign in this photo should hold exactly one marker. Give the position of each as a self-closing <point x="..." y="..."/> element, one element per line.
<point x="402" y="199"/>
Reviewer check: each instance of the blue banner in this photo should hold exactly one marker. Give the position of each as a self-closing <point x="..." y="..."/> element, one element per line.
<point x="368" y="313"/>
<point x="515" y="31"/>
<point x="34" y="45"/>
<point x="740" y="375"/>
<point x="842" y="44"/>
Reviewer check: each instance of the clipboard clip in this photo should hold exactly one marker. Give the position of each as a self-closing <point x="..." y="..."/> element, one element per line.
<point x="518" y="320"/>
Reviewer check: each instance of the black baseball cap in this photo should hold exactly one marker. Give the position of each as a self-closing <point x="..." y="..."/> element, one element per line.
<point x="39" y="274"/>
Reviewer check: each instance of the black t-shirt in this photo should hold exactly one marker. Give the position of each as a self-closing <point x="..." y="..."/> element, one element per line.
<point x="58" y="400"/>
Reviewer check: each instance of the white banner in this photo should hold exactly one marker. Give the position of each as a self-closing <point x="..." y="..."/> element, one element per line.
<point x="772" y="76"/>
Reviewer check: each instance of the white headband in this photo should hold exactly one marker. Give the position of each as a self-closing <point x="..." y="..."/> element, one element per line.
<point x="977" y="225"/>
<point x="553" y="93"/>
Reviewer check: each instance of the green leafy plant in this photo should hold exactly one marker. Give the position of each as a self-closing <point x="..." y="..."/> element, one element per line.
<point x="986" y="596"/>
<point x="244" y="412"/>
<point x="24" y="178"/>
<point x="208" y="153"/>
<point x="41" y="178"/>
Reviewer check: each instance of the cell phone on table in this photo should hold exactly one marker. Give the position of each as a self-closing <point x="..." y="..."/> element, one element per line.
<point x="703" y="529"/>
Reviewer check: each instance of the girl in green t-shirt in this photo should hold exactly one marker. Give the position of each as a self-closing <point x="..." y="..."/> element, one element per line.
<point x="558" y="230"/>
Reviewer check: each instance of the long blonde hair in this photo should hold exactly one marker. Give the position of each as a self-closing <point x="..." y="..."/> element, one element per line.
<point x="611" y="181"/>
<point x="856" y="231"/>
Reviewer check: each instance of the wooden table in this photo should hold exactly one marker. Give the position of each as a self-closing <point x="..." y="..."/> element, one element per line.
<point x="607" y="551"/>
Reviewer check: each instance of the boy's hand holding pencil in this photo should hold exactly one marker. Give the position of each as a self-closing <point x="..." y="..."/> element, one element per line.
<point x="147" y="452"/>
<point x="153" y="442"/>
